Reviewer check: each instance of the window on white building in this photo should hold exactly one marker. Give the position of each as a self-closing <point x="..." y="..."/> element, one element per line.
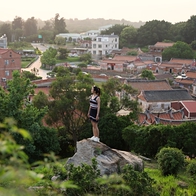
<point x="99" y="46"/>
<point x="94" y="45"/>
<point x="99" y="39"/>
<point x="94" y="51"/>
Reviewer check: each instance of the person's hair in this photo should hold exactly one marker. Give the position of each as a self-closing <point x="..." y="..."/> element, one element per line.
<point x="97" y="90"/>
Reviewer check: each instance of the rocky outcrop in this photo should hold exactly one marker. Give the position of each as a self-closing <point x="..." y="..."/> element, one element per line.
<point x="109" y="160"/>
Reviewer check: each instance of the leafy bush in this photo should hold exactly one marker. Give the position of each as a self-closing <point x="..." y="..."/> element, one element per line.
<point x="82" y="64"/>
<point x="191" y="168"/>
<point x="170" y="160"/>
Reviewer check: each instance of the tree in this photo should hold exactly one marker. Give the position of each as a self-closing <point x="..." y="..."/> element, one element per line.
<point x="189" y="30"/>
<point x="49" y="57"/>
<point x="147" y="74"/>
<point x="63" y="53"/>
<point x="128" y="36"/>
<point x="15" y="103"/>
<point x="153" y="31"/>
<point x="47" y="35"/>
<point x="59" y="25"/>
<point x="29" y="75"/>
<point x="176" y="31"/>
<point x="17" y="28"/>
<point x="86" y="58"/>
<point x="178" y="50"/>
<point x="30" y="27"/>
<point x="112" y="104"/>
<point x="6" y="29"/>
<point x="116" y="30"/>
<point x="69" y="104"/>
<point x="17" y="23"/>
<point x="60" y="40"/>
<point x="193" y="45"/>
<point x="170" y="160"/>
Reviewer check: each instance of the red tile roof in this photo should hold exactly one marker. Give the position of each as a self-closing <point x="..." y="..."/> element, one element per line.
<point x="165" y="118"/>
<point x="149" y="84"/>
<point x="124" y="58"/>
<point x="171" y="65"/>
<point x="163" y="44"/>
<point x="190" y="74"/>
<point x="181" y="61"/>
<point x="190" y="105"/>
<point x="3" y="50"/>
<point x="45" y="90"/>
<point x="184" y="81"/>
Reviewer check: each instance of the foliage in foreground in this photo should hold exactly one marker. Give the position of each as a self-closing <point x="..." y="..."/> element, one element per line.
<point x="18" y="177"/>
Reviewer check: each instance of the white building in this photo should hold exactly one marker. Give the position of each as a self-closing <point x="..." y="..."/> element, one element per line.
<point x="3" y="41"/>
<point x="104" y="44"/>
<point x="90" y="34"/>
<point x="72" y="37"/>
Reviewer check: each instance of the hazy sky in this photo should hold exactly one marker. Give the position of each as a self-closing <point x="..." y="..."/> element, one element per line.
<point x="133" y="10"/>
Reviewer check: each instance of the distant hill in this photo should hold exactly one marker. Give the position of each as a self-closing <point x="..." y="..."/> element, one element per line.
<point x="79" y="26"/>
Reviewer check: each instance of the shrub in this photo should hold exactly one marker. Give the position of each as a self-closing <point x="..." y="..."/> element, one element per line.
<point x="191" y="168"/>
<point x="82" y="64"/>
<point x="170" y="160"/>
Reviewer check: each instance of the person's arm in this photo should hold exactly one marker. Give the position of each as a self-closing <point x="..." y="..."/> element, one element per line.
<point x="89" y="111"/>
<point x="98" y="108"/>
<point x="88" y="114"/>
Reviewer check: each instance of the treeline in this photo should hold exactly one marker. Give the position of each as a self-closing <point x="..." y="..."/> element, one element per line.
<point x="131" y="34"/>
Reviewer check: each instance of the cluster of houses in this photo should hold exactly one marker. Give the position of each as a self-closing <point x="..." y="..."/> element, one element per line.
<point x="160" y="101"/>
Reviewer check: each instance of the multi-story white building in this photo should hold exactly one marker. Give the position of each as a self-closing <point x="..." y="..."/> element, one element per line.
<point x="104" y="44"/>
<point x="3" y="41"/>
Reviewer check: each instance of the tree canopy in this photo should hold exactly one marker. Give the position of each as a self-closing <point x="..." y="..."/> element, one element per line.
<point x="178" y="50"/>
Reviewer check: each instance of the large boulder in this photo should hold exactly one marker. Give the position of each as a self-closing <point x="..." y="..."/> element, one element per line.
<point x="108" y="160"/>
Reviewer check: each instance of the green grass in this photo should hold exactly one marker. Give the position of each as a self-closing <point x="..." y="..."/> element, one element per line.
<point x="26" y="61"/>
<point x="182" y="185"/>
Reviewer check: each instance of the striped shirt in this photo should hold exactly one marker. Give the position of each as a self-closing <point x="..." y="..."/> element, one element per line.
<point x="93" y="102"/>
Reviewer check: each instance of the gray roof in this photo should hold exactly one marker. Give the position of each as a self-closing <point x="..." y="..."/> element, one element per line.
<point x="167" y="95"/>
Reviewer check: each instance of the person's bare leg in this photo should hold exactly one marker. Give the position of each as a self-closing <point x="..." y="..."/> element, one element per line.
<point x="97" y="130"/>
<point x="93" y="127"/>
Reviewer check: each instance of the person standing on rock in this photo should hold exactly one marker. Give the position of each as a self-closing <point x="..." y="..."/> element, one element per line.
<point x="93" y="112"/>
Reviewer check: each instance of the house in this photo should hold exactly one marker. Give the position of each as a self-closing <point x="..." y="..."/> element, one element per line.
<point x="92" y="34"/>
<point x="167" y="117"/>
<point x="71" y="37"/>
<point x="161" y="99"/>
<point x="104" y="44"/>
<point x="157" y="50"/>
<point x="118" y="63"/>
<point x="188" y="106"/>
<point x="152" y="85"/>
<point x="184" y="62"/>
<point x="9" y="61"/>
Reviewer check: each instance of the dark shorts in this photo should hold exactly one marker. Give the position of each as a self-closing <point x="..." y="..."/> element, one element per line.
<point x="93" y="114"/>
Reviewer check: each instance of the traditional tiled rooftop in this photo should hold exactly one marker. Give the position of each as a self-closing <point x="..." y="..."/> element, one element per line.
<point x="124" y="58"/>
<point x="149" y="84"/>
<point x="163" y="44"/>
<point x="166" y="95"/>
<point x="169" y="117"/>
<point x="182" y="61"/>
